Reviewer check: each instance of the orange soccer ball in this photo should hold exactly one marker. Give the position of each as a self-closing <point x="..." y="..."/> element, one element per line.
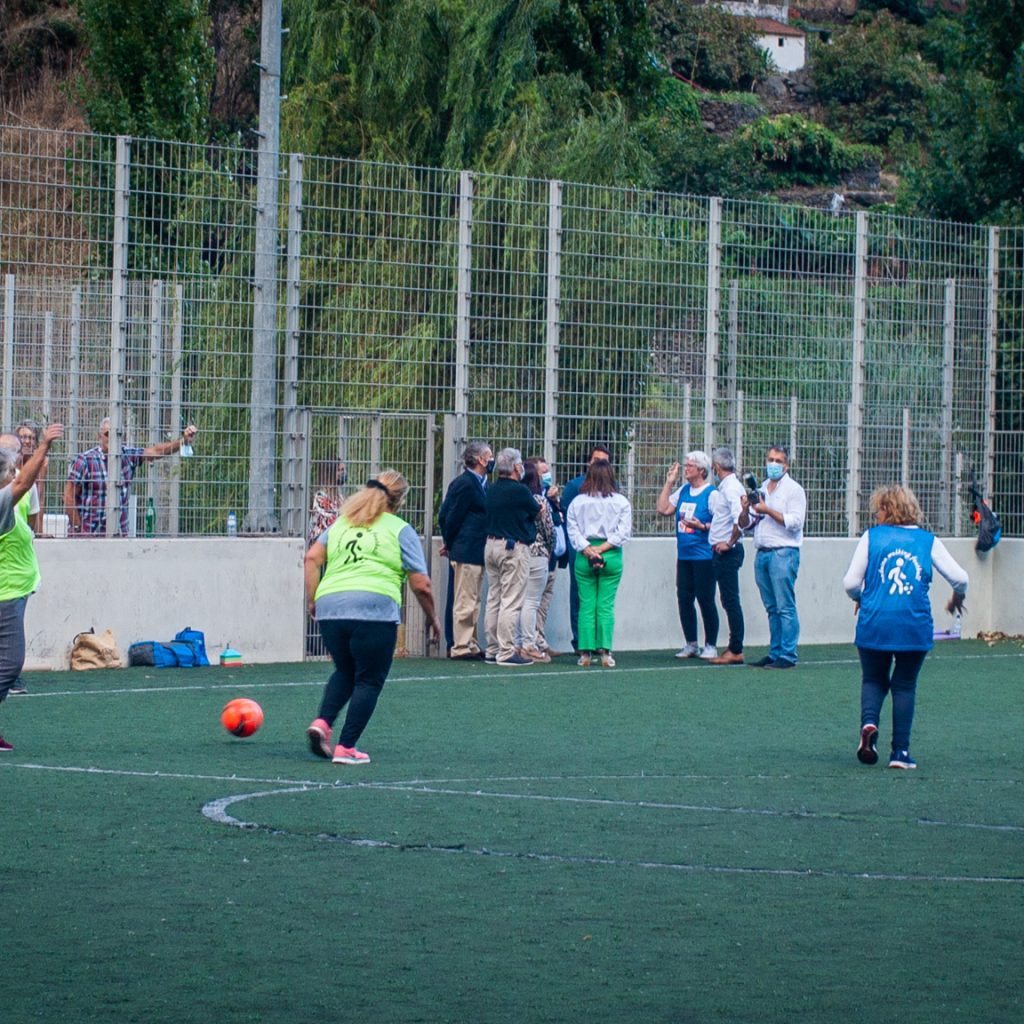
<point x="241" y="717"/>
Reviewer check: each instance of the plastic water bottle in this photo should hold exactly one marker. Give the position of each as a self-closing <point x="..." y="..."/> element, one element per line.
<point x="150" y="527"/>
<point x="232" y="525"/>
<point x="956" y="630"/>
<point x="186" y="451"/>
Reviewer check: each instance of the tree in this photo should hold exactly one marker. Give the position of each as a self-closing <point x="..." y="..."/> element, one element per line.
<point x="972" y="165"/>
<point x="872" y="81"/>
<point x="149" y="67"/>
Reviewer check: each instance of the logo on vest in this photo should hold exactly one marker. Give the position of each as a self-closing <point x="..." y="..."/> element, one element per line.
<point x="901" y="571"/>
<point x="357" y="543"/>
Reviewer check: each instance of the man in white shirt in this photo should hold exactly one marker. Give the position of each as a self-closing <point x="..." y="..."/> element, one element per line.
<point x="778" y="522"/>
<point x="726" y="504"/>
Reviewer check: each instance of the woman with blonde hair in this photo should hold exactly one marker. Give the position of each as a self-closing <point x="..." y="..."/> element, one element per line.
<point x="354" y="574"/>
<point x="888" y="579"/>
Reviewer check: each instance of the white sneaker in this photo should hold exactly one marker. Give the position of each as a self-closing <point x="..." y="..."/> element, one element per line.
<point x="689" y="651"/>
<point x="710" y="651"/>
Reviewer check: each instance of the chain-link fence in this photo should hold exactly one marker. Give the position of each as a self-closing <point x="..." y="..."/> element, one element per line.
<point x="543" y="315"/>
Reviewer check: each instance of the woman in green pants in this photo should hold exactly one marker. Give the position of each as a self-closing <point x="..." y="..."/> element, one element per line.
<point x="599" y="522"/>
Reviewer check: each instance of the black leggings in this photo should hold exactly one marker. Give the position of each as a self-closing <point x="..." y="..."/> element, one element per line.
<point x="362" y="652"/>
<point x="695" y="578"/>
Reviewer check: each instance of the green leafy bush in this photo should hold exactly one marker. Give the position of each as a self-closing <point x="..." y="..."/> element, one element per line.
<point x="796" y="151"/>
<point x="872" y="81"/>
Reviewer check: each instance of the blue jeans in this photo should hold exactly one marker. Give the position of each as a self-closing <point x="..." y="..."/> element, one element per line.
<point x="775" y="572"/>
<point x="892" y="672"/>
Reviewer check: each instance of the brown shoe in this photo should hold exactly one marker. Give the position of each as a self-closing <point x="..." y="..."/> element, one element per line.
<point x="727" y="659"/>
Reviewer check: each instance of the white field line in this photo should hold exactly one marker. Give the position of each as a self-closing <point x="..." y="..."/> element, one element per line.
<point x="442" y="787"/>
<point x="492" y="673"/>
<point x="217" y="811"/>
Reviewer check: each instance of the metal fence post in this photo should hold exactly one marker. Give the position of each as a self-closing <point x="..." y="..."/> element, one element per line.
<point x="713" y="303"/>
<point x="946" y="429"/>
<point x="9" y="299"/>
<point x="991" y="365"/>
<point x="118" y="332"/>
<point x="48" y="409"/>
<point x="261" y="516"/>
<point x="905" y="453"/>
<point x="156" y="301"/>
<point x="855" y="413"/>
<point x="74" y="371"/>
<point x="553" y="307"/>
<point x="462" y="306"/>
<point x="177" y="417"/>
<point x="294" y="514"/>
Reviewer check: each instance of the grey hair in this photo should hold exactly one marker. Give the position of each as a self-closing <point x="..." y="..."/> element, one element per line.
<point x="105" y="422"/>
<point x="779" y="448"/>
<point x="8" y="464"/>
<point x="10" y="443"/>
<point x="724" y="458"/>
<point x="473" y="452"/>
<point x="702" y="461"/>
<point x="506" y="461"/>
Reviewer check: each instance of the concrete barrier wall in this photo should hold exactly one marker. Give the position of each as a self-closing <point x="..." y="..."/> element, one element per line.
<point x="248" y="593"/>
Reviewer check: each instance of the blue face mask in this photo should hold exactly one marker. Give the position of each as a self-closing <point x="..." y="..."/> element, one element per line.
<point x="490" y="467"/>
<point x="546" y="480"/>
<point x="775" y="470"/>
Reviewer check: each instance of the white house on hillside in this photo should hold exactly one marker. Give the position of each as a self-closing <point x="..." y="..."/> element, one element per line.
<point x="785" y="45"/>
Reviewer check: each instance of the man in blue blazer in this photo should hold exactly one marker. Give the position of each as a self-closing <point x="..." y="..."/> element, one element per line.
<point x="461" y="519"/>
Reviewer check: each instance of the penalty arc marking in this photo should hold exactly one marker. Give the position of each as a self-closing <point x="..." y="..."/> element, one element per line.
<point x="217" y="811"/>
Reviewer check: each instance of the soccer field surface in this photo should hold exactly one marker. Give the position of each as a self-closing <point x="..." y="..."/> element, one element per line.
<point x="660" y="842"/>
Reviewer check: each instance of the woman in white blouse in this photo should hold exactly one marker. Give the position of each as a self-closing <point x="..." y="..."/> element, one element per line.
<point x="599" y="522"/>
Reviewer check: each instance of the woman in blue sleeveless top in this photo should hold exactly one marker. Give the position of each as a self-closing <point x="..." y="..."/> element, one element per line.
<point x="889" y="579"/>
<point x="695" y="578"/>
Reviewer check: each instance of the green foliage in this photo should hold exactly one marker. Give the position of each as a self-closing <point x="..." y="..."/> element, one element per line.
<point x="454" y="82"/>
<point x="606" y="42"/>
<point x="798" y="152"/>
<point x="871" y="80"/>
<point x="707" y="45"/>
<point x="972" y="163"/>
<point x="149" y="67"/>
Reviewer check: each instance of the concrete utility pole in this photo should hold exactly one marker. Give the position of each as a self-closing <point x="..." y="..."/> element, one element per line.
<point x="261" y="516"/>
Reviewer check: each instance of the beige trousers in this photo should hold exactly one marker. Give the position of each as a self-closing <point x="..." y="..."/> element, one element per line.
<point x="466" y="607"/>
<point x="507" y="573"/>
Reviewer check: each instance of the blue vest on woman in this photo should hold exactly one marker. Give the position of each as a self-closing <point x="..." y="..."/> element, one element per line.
<point x="895" y="612"/>
<point x="692" y="545"/>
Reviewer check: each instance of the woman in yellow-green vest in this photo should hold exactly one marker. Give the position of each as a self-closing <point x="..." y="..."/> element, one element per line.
<point x="19" y="570"/>
<point x="355" y="573"/>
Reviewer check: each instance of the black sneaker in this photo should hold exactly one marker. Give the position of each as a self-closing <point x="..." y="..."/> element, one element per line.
<point x="761" y="662"/>
<point x="867" y="752"/>
<point x="781" y="664"/>
<point x="18" y="688"/>
<point x="901" y="759"/>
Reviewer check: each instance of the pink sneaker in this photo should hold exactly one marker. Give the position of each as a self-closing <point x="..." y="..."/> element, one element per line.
<point x="319" y="734"/>
<point x="4" y="745"/>
<point x="349" y="755"/>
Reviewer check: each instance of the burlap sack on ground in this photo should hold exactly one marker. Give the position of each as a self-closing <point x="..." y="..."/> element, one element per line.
<point x="95" y="650"/>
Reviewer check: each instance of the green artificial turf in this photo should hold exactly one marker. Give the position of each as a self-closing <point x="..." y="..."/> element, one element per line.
<point x="661" y="842"/>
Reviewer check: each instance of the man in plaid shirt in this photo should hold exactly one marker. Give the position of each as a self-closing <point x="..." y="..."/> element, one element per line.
<point x="85" y="493"/>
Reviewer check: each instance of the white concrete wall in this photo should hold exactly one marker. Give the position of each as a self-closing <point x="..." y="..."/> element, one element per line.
<point x="790" y="56"/>
<point x="248" y="593"/>
<point x="646" y="617"/>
